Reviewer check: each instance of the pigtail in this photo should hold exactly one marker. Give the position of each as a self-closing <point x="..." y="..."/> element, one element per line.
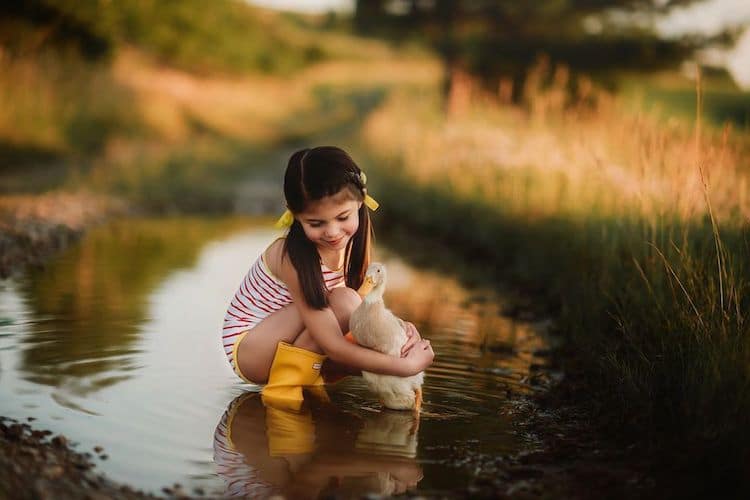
<point x="304" y="257"/>
<point x="358" y="251"/>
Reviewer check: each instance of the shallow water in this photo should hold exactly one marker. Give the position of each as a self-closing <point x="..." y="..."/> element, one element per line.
<point x="116" y="344"/>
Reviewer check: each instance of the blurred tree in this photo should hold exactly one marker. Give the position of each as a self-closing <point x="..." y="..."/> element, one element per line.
<point x="34" y="25"/>
<point x="501" y="39"/>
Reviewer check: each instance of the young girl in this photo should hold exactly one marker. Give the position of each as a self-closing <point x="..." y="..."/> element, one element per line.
<point x="293" y="307"/>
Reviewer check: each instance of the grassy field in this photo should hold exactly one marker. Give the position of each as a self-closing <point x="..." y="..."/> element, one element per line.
<point x="167" y="131"/>
<point x="630" y="230"/>
<point x="672" y="95"/>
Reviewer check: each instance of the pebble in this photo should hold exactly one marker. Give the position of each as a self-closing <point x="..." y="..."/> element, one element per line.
<point x="53" y="472"/>
<point x="14" y="432"/>
<point x="59" y="441"/>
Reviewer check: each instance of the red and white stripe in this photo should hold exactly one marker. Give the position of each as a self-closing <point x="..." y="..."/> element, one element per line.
<point x="259" y="295"/>
<point x="241" y="480"/>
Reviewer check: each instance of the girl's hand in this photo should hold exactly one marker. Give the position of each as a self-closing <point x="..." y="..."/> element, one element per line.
<point x="419" y="357"/>
<point x="412" y="337"/>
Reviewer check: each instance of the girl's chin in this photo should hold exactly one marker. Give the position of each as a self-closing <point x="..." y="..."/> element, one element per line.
<point x="338" y="244"/>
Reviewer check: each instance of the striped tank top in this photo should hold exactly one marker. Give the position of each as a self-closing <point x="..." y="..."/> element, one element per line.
<point x="258" y="296"/>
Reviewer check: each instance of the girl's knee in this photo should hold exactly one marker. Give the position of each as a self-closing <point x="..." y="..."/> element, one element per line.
<point x="343" y="302"/>
<point x="344" y="298"/>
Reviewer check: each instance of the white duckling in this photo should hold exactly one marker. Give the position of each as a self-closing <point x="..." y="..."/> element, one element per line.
<point x="376" y="327"/>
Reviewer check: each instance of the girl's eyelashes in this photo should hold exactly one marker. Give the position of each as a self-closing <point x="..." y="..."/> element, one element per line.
<point x="341" y="218"/>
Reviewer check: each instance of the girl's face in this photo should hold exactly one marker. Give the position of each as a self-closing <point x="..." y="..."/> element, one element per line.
<point x="331" y="221"/>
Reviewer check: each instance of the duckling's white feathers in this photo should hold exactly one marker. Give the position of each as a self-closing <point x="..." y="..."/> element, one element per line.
<point x="376" y="327"/>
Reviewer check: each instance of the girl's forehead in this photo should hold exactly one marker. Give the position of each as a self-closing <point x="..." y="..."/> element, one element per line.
<point x="330" y="206"/>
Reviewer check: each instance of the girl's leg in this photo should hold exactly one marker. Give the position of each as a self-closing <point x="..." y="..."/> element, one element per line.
<point x="257" y="349"/>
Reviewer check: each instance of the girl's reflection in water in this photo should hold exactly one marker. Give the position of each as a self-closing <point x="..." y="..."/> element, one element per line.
<point x="261" y="451"/>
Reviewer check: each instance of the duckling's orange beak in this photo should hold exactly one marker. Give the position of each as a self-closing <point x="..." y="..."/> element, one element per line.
<point x="366" y="287"/>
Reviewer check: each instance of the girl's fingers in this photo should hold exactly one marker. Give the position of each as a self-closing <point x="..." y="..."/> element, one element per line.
<point x="408" y="345"/>
<point x="409" y="328"/>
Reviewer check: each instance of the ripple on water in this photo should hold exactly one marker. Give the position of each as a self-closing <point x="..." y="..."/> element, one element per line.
<point x="105" y="332"/>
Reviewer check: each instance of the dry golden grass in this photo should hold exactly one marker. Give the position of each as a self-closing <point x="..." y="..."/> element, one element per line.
<point x="552" y="160"/>
<point x="632" y="228"/>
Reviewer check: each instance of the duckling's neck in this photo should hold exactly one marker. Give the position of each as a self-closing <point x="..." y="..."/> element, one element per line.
<point x="375" y="295"/>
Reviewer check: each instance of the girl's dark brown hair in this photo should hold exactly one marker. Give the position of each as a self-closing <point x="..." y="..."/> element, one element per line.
<point x="311" y="175"/>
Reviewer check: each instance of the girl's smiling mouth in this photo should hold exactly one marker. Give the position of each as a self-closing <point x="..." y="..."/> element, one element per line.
<point x="335" y="242"/>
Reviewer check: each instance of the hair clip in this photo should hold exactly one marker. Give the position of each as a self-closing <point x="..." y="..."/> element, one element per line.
<point x="285" y="220"/>
<point x="369" y="200"/>
<point x="371" y="203"/>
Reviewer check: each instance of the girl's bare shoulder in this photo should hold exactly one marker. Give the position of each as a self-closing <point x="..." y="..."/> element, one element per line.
<point x="274" y="256"/>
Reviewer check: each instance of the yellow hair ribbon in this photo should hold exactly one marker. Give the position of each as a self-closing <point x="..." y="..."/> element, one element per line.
<point x="371" y="203"/>
<point x="285" y="220"/>
<point x="369" y="200"/>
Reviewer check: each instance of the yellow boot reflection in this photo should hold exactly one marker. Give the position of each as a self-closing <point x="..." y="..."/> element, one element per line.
<point x="257" y="449"/>
<point x="262" y="450"/>
<point x="289" y="433"/>
<point x="378" y="459"/>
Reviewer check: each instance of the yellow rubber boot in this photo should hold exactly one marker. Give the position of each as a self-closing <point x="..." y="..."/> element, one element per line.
<point x="292" y="368"/>
<point x="289" y="433"/>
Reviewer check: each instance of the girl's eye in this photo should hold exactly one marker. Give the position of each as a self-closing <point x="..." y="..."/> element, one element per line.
<point x="342" y="219"/>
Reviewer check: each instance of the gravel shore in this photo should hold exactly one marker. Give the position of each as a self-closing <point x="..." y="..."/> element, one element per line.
<point x="37" y="464"/>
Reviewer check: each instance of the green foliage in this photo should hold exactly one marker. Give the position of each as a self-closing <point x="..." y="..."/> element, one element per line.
<point x="66" y="26"/>
<point x="494" y="39"/>
<point x="44" y="108"/>
<point x="221" y="35"/>
<point x="719" y="106"/>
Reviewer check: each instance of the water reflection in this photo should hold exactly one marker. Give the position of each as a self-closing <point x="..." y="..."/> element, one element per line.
<point x="117" y="344"/>
<point x="88" y="306"/>
<point x="321" y="450"/>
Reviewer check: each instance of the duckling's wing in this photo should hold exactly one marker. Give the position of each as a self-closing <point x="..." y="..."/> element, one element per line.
<point x="377" y="328"/>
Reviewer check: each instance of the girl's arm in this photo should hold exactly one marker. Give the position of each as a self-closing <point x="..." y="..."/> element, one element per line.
<point x="325" y="330"/>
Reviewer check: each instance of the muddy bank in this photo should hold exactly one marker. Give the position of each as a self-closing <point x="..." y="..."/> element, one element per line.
<point x="35" y="228"/>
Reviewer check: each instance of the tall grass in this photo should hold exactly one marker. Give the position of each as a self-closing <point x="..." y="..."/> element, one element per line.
<point x="632" y="230"/>
<point x="61" y="105"/>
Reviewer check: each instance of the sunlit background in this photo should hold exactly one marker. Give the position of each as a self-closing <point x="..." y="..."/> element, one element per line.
<point x="588" y="159"/>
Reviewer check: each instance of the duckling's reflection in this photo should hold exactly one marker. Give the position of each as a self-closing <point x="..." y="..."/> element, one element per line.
<point x="264" y="451"/>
